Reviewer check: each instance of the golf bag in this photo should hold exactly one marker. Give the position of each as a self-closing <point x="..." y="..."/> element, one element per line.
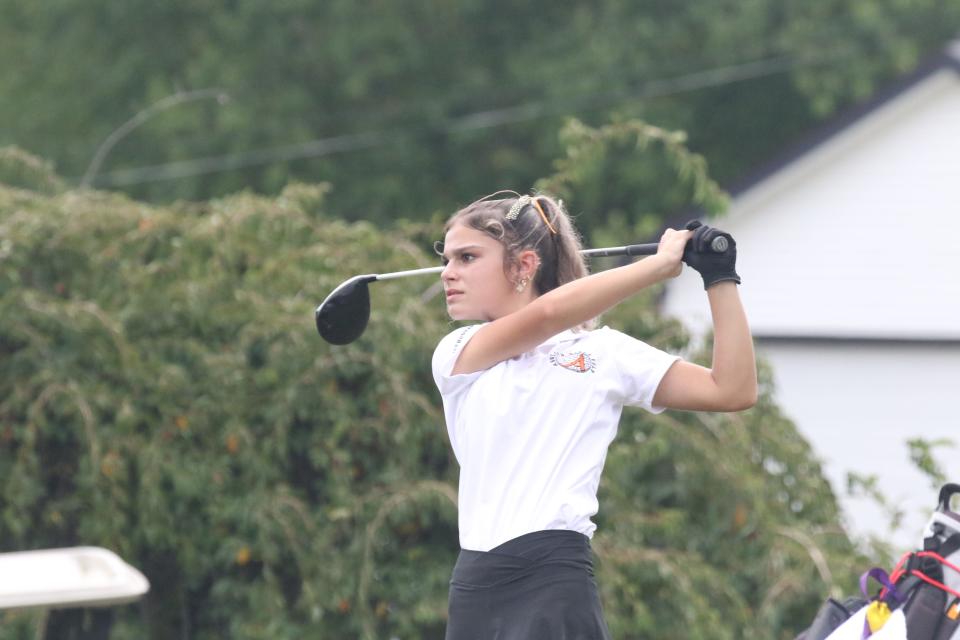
<point x="925" y="585"/>
<point x="930" y="579"/>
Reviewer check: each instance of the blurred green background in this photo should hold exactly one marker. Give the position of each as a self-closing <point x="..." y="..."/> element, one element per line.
<point x="181" y="184"/>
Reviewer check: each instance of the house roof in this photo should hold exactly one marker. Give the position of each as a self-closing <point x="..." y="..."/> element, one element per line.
<point x="946" y="58"/>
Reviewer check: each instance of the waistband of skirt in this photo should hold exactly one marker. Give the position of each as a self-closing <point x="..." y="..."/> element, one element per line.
<point x="549" y="541"/>
<point x="537" y="553"/>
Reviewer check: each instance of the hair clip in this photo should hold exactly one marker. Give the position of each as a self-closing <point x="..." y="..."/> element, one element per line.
<point x="543" y="215"/>
<point x="517" y="207"/>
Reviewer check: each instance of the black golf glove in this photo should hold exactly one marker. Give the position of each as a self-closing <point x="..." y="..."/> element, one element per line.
<point x="701" y="253"/>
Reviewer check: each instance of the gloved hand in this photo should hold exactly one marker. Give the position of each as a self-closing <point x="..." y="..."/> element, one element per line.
<point x="713" y="266"/>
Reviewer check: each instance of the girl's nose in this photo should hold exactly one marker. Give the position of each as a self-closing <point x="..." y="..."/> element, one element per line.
<point x="448" y="272"/>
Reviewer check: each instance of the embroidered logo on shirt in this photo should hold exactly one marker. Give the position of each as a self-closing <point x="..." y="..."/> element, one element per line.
<point x="578" y="361"/>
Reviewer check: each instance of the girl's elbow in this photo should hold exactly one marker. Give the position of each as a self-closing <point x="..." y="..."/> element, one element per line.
<point x="735" y="395"/>
<point x="744" y="400"/>
<point x="738" y="398"/>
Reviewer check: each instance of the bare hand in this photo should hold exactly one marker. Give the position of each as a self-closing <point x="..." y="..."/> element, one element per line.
<point x="670" y="251"/>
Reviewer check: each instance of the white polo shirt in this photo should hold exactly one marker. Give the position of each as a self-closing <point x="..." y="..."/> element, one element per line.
<point x="531" y="433"/>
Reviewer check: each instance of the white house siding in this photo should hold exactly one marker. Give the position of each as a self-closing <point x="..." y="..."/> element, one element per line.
<point x="858" y="239"/>
<point x="858" y="404"/>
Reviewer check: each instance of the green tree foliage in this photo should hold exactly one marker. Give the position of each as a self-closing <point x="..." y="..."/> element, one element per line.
<point x="400" y="83"/>
<point x="626" y="174"/>
<point x="163" y="393"/>
<point x="20" y="169"/>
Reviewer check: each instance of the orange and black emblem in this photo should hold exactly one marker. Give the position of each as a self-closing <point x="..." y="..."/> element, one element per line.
<point x="578" y="361"/>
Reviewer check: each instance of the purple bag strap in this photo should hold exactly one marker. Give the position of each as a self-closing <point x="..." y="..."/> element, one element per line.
<point x="880" y="576"/>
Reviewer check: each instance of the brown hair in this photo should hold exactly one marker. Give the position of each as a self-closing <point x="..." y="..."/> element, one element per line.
<point x="559" y="253"/>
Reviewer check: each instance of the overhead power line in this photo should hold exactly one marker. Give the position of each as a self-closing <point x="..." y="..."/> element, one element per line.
<point x="474" y="121"/>
<point x="162" y="105"/>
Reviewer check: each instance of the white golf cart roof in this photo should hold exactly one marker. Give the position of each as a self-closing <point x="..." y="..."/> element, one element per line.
<point x="70" y="577"/>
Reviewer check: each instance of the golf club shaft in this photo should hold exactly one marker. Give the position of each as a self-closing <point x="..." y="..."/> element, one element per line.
<point x="411" y="272"/>
<point x="629" y="250"/>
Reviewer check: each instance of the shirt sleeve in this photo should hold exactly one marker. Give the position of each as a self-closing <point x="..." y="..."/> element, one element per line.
<point x="445" y="357"/>
<point x="640" y="369"/>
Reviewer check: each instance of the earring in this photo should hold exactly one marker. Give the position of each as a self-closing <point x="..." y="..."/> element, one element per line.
<point x="522" y="285"/>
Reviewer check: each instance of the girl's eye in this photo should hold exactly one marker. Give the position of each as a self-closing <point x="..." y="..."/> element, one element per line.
<point x="463" y="257"/>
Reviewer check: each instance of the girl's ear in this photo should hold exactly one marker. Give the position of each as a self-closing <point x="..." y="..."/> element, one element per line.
<point x="527" y="264"/>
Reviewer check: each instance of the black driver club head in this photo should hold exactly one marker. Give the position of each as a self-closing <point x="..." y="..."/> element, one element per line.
<point x="343" y="316"/>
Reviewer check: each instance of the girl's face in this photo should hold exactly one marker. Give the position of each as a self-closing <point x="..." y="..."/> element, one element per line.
<point x="473" y="278"/>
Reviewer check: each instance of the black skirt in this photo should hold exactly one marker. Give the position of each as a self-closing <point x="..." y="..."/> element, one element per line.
<point x="539" y="586"/>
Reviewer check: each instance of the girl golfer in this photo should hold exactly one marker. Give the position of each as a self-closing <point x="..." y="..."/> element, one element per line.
<point x="532" y="396"/>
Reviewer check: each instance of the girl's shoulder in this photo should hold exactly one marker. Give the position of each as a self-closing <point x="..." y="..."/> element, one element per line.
<point x="459" y="332"/>
<point x="600" y="336"/>
<point x="610" y="336"/>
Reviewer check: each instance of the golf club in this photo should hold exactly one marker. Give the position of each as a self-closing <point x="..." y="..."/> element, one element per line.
<point x="343" y="316"/>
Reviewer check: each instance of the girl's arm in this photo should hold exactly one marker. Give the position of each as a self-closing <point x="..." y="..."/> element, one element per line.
<point x="568" y="306"/>
<point x="731" y="383"/>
